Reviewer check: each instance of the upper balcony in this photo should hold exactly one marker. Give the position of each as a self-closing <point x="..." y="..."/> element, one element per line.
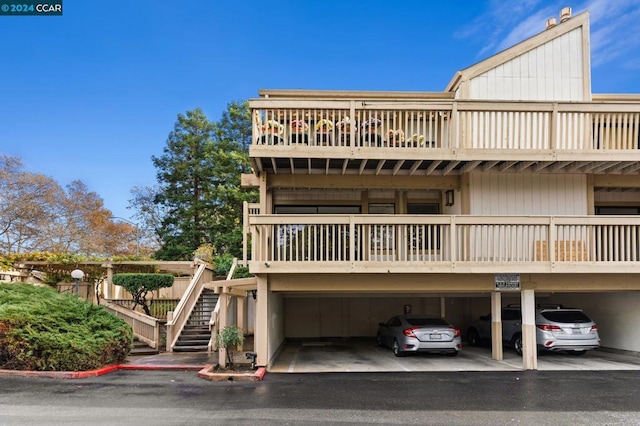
<point x="442" y="244"/>
<point x="433" y="134"/>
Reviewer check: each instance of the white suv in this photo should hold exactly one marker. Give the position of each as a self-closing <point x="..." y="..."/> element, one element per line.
<point x="557" y="329"/>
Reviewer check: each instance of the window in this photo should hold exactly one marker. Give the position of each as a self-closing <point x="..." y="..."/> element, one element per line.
<point x="317" y="210"/>
<point x="423" y="238"/>
<point x="610" y="211"/>
<point x="382" y="208"/>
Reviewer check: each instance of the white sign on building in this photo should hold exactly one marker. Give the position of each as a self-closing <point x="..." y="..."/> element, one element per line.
<point x="507" y="282"/>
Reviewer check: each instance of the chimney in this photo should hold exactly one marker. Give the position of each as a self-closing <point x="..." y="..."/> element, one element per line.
<point x="551" y="22"/>
<point x="565" y="14"/>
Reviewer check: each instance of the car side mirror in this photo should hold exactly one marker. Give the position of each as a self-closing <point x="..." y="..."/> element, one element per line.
<point x="381" y="324"/>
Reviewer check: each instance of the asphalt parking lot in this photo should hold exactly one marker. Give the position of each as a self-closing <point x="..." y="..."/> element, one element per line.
<point x="364" y="356"/>
<point x="159" y="398"/>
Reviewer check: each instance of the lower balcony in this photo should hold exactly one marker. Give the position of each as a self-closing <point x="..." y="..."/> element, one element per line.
<point x="443" y="244"/>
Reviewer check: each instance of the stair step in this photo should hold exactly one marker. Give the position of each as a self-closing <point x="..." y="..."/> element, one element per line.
<point x="192" y="342"/>
<point x="190" y="348"/>
<point x="141" y="348"/>
<point x="196" y="336"/>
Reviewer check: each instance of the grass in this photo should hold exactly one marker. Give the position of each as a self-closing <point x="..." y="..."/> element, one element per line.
<point x="43" y="330"/>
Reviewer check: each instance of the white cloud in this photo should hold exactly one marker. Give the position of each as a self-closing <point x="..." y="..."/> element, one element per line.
<point x="615" y="26"/>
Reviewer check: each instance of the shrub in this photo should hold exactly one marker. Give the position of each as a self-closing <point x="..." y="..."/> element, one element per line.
<point x="242" y="272"/>
<point x="229" y="338"/>
<point x="141" y="284"/>
<point x="223" y="264"/>
<point x="43" y="330"/>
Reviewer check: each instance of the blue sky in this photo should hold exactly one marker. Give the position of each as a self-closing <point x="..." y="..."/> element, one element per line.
<point x="92" y="95"/>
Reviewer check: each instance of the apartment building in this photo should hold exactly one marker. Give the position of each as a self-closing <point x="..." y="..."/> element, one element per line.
<point x="515" y="184"/>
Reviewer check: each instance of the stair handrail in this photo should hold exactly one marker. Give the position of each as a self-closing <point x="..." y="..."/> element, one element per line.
<point x="214" y="327"/>
<point x="145" y="327"/>
<point x="177" y="319"/>
<point x="234" y="265"/>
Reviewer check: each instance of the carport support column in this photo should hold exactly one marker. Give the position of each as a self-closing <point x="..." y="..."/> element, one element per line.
<point x="222" y="323"/>
<point x="529" y="351"/>
<point x="261" y="334"/>
<point x="496" y="326"/>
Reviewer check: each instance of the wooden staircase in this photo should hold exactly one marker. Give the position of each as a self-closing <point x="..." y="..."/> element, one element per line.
<point x="195" y="335"/>
<point x="141" y="348"/>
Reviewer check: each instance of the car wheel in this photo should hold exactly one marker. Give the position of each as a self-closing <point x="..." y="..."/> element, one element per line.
<point x="379" y="340"/>
<point x="473" y="337"/>
<point x="576" y="353"/>
<point x="396" y="349"/>
<point x="517" y="343"/>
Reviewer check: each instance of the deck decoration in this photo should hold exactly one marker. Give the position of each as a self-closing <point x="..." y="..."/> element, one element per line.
<point x="272" y="127"/>
<point x="396" y="136"/>
<point x="324" y="125"/>
<point x="417" y="139"/>
<point x="371" y="123"/>
<point x="344" y="125"/>
<point x="299" y="126"/>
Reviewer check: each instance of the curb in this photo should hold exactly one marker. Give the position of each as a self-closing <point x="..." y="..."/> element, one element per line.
<point x="207" y="374"/>
<point x="61" y="374"/>
<point x="101" y="371"/>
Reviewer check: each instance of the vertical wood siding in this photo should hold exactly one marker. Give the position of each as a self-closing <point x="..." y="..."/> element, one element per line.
<point x="528" y="194"/>
<point x="552" y="71"/>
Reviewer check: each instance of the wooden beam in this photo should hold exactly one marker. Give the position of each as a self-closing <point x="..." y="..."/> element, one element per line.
<point x="507" y="165"/>
<point x="452" y="165"/>
<point x="362" y="181"/>
<point x="363" y="164"/>
<point x="543" y="165"/>
<point x="433" y="166"/>
<point x="470" y="166"/>
<point x="415" y="166"/>
<point x="397" y="167"/>
<point x="617" y="181"/>
<point x="249" y="181"/>
<point x="525" y="165"/>
<point x="556" y="167"/>
<point x="489" y="165"/>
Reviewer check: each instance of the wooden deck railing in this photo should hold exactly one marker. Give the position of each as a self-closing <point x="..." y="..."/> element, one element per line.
<point x="159" y="307"/>
<point x="145" y="328"/>
<point x="288" y="243"/>
<point x="455" y="124"/>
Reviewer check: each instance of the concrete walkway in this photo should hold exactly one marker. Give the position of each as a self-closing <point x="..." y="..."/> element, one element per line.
<point x="364" y="356"/>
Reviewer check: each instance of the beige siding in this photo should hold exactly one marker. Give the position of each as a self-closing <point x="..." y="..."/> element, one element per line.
<point x="552" y="71"/>
<point x="617" y="198"/>
<point x="276" y="324"/>
<point x="315" y="195"/>
<point x="528" y="194"/>
<point x="616" y="314"/>
<point x="317" y="317"/>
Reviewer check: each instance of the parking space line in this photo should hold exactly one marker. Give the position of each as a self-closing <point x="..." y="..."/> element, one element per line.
<point x="292" y="365"/>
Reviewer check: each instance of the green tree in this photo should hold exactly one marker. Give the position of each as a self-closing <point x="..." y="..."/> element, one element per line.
<point x="198" y="176"/>
<point x="184" y="175"/>
<point x="139" y="285"/>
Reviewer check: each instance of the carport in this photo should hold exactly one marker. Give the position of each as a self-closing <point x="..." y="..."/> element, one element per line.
<point x="322" y="313"/>
<point x="362" y="355"/>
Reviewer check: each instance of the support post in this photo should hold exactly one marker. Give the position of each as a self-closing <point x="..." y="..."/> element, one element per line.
<point x="261" y="334"/>
<point x="496" y="326"/>
<point x="529" y="350"/>
<point x="222" y="320"/>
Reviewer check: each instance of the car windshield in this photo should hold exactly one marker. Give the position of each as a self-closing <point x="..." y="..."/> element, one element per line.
<point x="426" y="321"/>
<point x="565" y="316"/>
